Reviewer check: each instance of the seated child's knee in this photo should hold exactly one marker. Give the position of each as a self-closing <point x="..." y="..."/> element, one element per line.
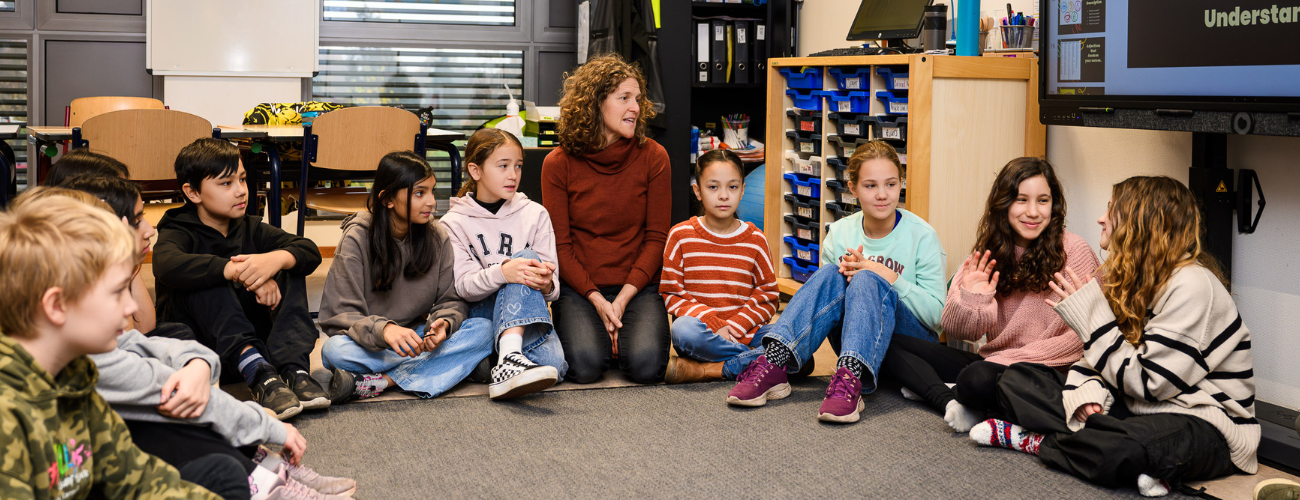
<point x="526" y="253"/>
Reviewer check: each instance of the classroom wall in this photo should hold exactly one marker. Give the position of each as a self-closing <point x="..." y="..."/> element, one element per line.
<point x="823" y="24"/>
<point x="1266" y="265"/>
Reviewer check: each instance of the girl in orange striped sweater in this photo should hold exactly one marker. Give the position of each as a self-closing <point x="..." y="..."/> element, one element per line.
<point x="717" y="279"/>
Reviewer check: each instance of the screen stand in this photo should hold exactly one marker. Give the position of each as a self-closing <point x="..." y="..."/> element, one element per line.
<point x="1211" y="181"/>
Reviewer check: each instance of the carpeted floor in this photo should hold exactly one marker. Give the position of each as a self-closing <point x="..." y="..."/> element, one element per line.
<point x="667" y="442"/>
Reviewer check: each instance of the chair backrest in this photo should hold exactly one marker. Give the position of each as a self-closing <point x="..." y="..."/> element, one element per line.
<point x="357" y="138"/>
<point x="146" y="140"/>
<point x="86" y="108"/>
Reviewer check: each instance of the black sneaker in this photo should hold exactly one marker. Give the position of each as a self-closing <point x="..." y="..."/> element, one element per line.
<point x="343" y="386"/>
<point x="310" y="393"/>
<point x="270" y="391"/>
<point x="482" y="373"/>
<point x="517" y="375"/>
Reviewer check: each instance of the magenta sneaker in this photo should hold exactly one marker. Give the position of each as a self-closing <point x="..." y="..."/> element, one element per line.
<point x="759" y="382"/>
<point x="843" y="398"/>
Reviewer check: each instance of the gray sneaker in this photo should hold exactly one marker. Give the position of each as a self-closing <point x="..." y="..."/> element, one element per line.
<point x="338" y="486"/>
<point x="286" y="488"/>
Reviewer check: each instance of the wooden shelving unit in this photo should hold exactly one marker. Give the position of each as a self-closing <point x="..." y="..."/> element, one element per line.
<point x="966" y="118"/>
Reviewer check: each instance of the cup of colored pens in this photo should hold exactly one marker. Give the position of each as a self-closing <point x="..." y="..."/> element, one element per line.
<point x="735" y="131"/>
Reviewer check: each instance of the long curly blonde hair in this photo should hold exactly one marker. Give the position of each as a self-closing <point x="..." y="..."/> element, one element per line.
<point x="581" y="127"/>
<point x="1156" y="229"/>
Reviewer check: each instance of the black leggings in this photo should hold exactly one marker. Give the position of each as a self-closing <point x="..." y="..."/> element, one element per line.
<point x="927" y="367"/>
<point x="1115" y="447"/>
<point x="179" y="444"/>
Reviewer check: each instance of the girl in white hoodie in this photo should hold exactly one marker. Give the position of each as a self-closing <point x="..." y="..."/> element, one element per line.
<point x="506" y="264"/>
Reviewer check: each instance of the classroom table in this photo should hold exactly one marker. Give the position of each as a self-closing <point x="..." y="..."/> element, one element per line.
<point x="41" y="137"/>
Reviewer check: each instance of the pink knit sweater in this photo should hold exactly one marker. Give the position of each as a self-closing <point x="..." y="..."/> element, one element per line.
<point x="1021" y="328"/>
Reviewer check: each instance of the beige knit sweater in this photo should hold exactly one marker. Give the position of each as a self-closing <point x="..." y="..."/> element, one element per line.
<point x="1194" y="359"/>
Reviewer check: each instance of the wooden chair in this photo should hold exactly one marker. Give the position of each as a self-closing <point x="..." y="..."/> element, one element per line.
<point x="86" y="108"/>
<point x="351" y="140"/>
<point x="147" y="141"/>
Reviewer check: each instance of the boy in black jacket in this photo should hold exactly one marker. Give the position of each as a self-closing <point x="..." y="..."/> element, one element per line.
<point x="239" y="283"/>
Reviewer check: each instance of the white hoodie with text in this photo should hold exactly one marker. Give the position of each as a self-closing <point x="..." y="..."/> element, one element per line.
<point x="484" y="240"/>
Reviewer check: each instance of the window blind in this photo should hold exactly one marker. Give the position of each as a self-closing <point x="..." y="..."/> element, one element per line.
<point x="13" y="91"/>
<point x="472" y="12"/>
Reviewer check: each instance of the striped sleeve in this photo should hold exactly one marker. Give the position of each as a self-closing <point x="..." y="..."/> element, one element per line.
<point x="1083" y="385"/>
<point x="672" y="283"/>
<point x="762" y="303"/>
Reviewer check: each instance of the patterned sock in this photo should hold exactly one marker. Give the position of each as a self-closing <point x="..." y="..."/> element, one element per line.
<point x="852" y="364"/>
<point x="1151" y="487"/>
<point x="507" y="344"/>
<point x="994" y="432"/>
<point x="777" y="353"/>
<point x="249" y="362"/>
<point x="370" y="385"/>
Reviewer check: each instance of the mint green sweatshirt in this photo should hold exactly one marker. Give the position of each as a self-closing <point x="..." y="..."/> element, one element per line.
<point x="912" y="250"/>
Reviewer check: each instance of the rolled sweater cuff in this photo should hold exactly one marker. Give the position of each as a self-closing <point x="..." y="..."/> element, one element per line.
<point x="1086" y="310"/>
<point x="1091" y="391"/>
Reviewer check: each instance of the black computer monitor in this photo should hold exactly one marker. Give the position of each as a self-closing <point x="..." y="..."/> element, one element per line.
<point x="888" y="20"/>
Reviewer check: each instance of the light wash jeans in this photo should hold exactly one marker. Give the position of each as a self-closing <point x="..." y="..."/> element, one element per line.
<point x="518" y="305"/>
<point x="861" y="331"/>
<point x="696" y="340"/>
<point x="427" y="375"/>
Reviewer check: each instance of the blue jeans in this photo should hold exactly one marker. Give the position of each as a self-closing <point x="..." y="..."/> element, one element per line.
<point x="696" y="340"/>
<point x="427" y="375"/>
<point x="861" y="331"/>
<point x="518" y="305"/>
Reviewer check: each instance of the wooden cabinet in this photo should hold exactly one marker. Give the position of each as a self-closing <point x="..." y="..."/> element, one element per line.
<point x="966" y="117"/>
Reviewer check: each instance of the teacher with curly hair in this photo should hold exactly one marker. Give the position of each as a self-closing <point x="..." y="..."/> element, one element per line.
<point x="607" y="188"/>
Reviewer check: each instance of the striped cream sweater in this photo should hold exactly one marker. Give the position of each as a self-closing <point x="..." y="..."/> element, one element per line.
<point x="722" y="280"/>
<point x="1194" y="359"/>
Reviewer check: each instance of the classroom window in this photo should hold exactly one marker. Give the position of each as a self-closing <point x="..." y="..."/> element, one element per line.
<point x="13" y="90"/>
<point x="472" y="12"/>
<point x="8" y="5"/>
<point x="464" y="86"/>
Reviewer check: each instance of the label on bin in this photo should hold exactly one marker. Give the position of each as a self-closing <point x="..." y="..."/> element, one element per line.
<point x="805" y="191"/>
<point x="805" y="168"/>
<point x="806" y="126"/>
<point x="805" y="147"/>
<point x="891" y="133"/>
<point x="898" y="107"/>
<point x="853" y="83"/>
<point x="902" y="158"/>
<point x="900" y="83"/>
<point x="704" y="76"/>
<point x="848" y="198"/>
<point x="852" y="129"/>
<point x="846" y="106"/>
<point x="803" y="234"/>
<point x="848" y="150"/>
<point x="804" y="254"/>
<point x="805" y="212"/>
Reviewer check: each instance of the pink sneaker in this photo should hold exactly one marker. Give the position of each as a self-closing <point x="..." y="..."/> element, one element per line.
<point x="759" y="382"/>
<point x="843" y="400"/>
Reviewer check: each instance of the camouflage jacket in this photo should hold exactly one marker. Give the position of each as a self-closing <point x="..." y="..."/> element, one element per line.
<point x="62" y="441"/>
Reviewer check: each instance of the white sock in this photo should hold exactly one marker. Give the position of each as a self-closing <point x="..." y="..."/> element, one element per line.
<point x="1151" y="487"/>
<point x="509" y="343"/>
<point x="960" y="418"/>
<point x="908" y="394"/>
<point x="261" y="482"/>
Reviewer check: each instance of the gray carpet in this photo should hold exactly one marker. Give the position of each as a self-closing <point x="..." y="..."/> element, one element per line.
<point x="667" y="442"/>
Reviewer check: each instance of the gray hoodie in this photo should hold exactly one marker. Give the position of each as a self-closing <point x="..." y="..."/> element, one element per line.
<point x="132" y="376"/>
<point x="484" y="240"/>
<point x="350" y="305"/>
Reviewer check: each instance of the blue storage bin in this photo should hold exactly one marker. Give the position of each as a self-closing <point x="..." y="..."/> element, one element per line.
<point x="806" y="121"/>
<point x="843" y="195"/>
<point x="893" y="80"/>
<point x="893" y="105"/>
<point x="847" y="101"/>
<point x="841" y="167"/>
<point x="894" y="129"/>
<point x="807" y="77"/>
<point x="805" y="99"/>
<point x="804" y="208"/>
<point x="807" y="252"/>
<point x="797" y="272"/>
<point x="804" y="185"/>
<point x="805" y="144"/>
<point x="847" y="145"/>
<point x="807" y="231"/>
<point x="852" y="78"/>
<point x="852" y="125"/>
<point x="839" y="211"/>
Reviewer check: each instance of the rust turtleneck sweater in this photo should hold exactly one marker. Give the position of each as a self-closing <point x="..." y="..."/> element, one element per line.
<point x="611" y="211"/>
